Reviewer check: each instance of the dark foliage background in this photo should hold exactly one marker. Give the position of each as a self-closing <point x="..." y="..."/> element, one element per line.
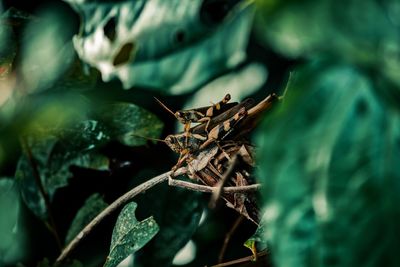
<point x="326" y="155"/>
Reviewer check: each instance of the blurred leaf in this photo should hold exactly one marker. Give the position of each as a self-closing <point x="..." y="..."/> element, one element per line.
<point x="178" y="212"/>
<point x="92" y="207"/>
<point x="129" y="123"/>
<point x="49" y="112"/>
<point x="46" y="51"/>
<point x="11" y="232"/>
<point x="8" y="49"/>
<point x="307" y="27"/>
<point x="329" y="171"/>
<point x="365" y="33"/>
<point x="183" y="48"/>
<point x="241" y="84"/>
<point x="8" y="45"/>
<point x="129" y="235"/>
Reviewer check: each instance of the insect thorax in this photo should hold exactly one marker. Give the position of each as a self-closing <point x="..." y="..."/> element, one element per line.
<point x="180" y="142"/>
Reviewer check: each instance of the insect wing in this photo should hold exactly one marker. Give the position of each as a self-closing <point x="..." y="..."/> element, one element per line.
<point x="232" y="109"/>
<point x="254" y="116"/>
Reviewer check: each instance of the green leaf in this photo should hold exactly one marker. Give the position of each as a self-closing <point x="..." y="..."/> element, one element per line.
<point x="329" y="169"/>
<point x="178" y="212"/>
<point x="184" y="48"/>
<point x="257" y="242"/>
<point x="129" y="235"/>
<point x="129" y="123"/>
<point x="53" y="153"/>
<point x="92" y="207"/>
<point x="84" y="136"/>
<point x="11" y="231"/>
<point x="56" y="150"/>
<point x="308" y="29"/>
<point x="364" y="33"/>
<point x="25" y="176"/>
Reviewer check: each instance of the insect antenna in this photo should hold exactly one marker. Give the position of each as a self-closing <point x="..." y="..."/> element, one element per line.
<point x="164" y="106"/>
<point x="148" y="138"/>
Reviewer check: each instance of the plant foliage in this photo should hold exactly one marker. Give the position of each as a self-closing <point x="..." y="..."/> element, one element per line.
<point x="73" y="141"/>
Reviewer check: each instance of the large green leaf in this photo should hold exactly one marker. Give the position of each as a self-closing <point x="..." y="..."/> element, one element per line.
<point x="130" y="124"/>
<point x="129" y="235"/>
<point x="190" y="42"/>
<point x="92" y="207"/>
<point x="366" y="32"/>
<point x="309" y="30"/>
<point x="328" y="162"/>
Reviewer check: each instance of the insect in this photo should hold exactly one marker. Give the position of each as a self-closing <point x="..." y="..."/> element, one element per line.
<point x="222" y="130"/>
<point x="223" y="125"/>
<point x="185" y="144"/>
<point x="210" y="166"/>
<point x="208" y="154"/>
<point x="200" y="115"/>
<point x="217" y="119"/>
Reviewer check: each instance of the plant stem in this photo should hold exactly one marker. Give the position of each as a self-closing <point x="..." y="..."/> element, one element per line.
<point x="241" y="260"/>
<point x="210" y="189"/>
<point x="51" y="224"/>
<point x="228" y="237"/>
<point x="140" y="189"/>
<point x="122" y="200"/>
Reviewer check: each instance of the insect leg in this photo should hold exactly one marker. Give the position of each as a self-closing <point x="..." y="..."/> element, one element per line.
<point x="182" y="157"/>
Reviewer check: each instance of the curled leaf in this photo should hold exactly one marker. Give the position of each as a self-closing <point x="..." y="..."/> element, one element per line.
<point x="190" y="42"/>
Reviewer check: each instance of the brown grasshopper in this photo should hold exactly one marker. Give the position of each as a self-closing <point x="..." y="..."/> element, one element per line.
<point x="223" y="126"/>
<point x="185" y="144"/>
<point x="208" y="154"/>
<point x="200" y="115"/>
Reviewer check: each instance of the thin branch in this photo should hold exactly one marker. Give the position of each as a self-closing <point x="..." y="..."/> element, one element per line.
<point x="228" y="237"/>
<point x="241" y="260"/>
<point x="114" y="206"/>
<point x="210" y="189"/>
<point x="51" y="224"/>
